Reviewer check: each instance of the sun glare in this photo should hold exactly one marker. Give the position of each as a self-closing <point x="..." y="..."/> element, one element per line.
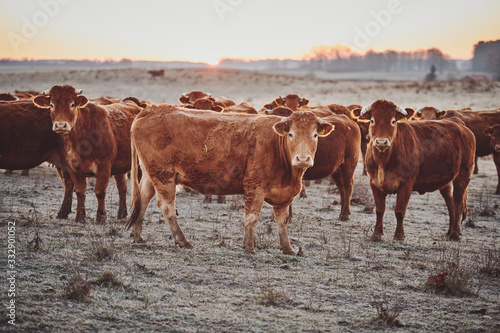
<point x="212" y="61"/>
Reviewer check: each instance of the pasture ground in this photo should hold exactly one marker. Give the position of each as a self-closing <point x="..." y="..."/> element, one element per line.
<point x="74" y="277"/>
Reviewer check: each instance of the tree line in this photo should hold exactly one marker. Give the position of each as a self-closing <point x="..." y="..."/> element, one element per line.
<point x="487" y="57"/>
<point x="340" y="58"/>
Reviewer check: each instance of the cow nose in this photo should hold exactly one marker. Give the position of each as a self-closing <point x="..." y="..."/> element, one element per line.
<point x="61" y="126"/>
<point x="381" y="142"/>
<point x="497" y="148"/>
<point x="303" y="161"/>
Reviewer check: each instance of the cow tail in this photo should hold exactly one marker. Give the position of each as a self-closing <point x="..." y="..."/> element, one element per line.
<point x="136" y="189"/>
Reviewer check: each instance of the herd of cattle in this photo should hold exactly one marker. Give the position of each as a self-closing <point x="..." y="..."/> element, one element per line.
<point x="218" y="147"/>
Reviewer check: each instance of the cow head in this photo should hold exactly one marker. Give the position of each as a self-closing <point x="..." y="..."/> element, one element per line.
<point x="191" y="97"/>
<point x="291" y="101"/>
<point x="281" y="111"/>
<point x="207" y="104"/>
<point x="64" y="103"/>
<point x="383" y="116"/>
<point x="8" y="97"/>
<point x="494" y="133"/>
<point x="429" y="113"/>
<point x="301" y="131"/>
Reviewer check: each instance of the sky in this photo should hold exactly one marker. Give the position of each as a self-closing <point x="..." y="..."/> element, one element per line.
<point x="208" y="30"/>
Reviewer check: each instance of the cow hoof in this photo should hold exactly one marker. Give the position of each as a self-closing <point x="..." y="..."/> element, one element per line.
<point x="399" y="237"/>
<point x="250" y="251"/>
<point x="344" y="218"/>
<point x="185" y="244"/>
<point x="62" y="215"/>
<point x="290" y="253"/>
<point x="122" y="215"/>
<point x="453" y="237"/>
<point x="100" y="219"/>
<point x="377" y="237"/>
<point x="80" y="220"/>
<point x="138" y="240"/>
<point x="221" y="200"/>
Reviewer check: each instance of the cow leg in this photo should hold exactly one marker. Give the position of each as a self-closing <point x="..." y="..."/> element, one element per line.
<point x="253" y="205"/>
<point x="380" y="199"/>
<point x="25" y="172"/>
<point x="476" y="168"/>
<point x="121" y="185"/>
<point x="80" y="183"/>
<point x="101" y="184"/>
<point x="221" y="199"/>
<point x="459" y="202"/>
<point x="207" y="199"/>
<point x="139" y="209"/>
<point x="343" y="178"/>
<point x="402" y="199"/>
<point x="303" y="193"/>
<point x="68" y="194"/>
<point x="363" y="153"/>
<point x="281" y="217"/>
<point x="448" y="199"/>
<point x="496" y="158"/>
<point x="165" y="199"/>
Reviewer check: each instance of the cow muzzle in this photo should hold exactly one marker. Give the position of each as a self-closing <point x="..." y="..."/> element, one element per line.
<point x="303" y="161"/>
<point x="381" y="144"/>
<point x="61" y="127"/>
<point x="497" y="148"/>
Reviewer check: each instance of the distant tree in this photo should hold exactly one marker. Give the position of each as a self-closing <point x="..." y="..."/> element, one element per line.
<point x="481" y="61"/>
<point x="432" y="75"/>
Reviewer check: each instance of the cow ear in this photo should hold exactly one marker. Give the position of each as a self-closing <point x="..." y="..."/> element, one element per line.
<point x="441" y="114"/>
<point x="282" y="128"/>
<point x="325" y="129"/>
<point x="356" y="114"/>
<point x="304" y="102"/>
<point x="404" y="117"/>
<point x="81" y="101"/>
<point x="488" y="131"/>
<point x="411" y="113"/>
<point x="418" y="115"/>
<point x="279" y="101"/>
<point x="42" y="101"/>
<point x="184" y="99"/>
<point x="217" y="108"/>
<point x="211" y="99"/>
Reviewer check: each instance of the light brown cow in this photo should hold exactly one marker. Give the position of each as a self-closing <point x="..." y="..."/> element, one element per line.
<point x="494" y="133"/>
<point x="337" y="156"/>
<point x="476" y="121"/>
<point x="416" y="156"/>
<point x="96" y="141"/>
<point x="261" y="157"/>
<point x="240" y="108"/>
<point x="191" y="97"/>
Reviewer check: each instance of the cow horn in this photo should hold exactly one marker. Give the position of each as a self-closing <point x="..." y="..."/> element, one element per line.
<point x="208" y="94"/>
<point x="185" y="94"/>
<point x="365" y="110"/>
<point x="401" y="110"/>
<point x="284" y="120"/>
<point x="45" y="93"/>
<point x="320" y="121"/>
<point x="79" y="91"/>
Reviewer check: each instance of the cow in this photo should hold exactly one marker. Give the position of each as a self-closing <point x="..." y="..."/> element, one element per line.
<point x="261" y="157"/>
<point x="240" y="108"/>
<point x="191" y="97"/>
<point x="476" y="121"/>
<point x="336" y="156"/>
<point x="95" y="142"/>
<point x="8" y="97"/>
<point x="157" y="73"/>
<point x="421" y="156"/>
<point x="494" y="133"/>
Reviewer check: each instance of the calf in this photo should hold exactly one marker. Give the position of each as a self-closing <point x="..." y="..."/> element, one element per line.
<point x="95" y="141"/>
<point x="263" y="158"/>
<point x="494" y="133"/>
<point x="416" y="156"/>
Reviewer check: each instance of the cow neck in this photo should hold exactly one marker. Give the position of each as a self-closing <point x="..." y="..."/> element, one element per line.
<point x="76" y="138"/>
<point x="288" y="171"/>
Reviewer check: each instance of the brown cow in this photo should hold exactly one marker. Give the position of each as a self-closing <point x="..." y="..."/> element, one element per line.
<point x="96" y="141"/>
<point x="263" y="158"/>
<point x="240" y="108"/>
<point x="8" y="97"/>
<point x="494" y="133"/>
<point x="416" y="156"/>
<point x="157" y="73"/>
<point x="337" y="156"/>
<point x="191" y="97"/>
<point x="476" y="121"/>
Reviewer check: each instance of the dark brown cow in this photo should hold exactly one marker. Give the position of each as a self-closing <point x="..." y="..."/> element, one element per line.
<point x="494" y="133"/>
<point x="263" y="158"/>
<point x="96" y="141"/>
<point x="416" y="156"/>
<point x="8" y="97"/>
<point x="157" y="73"/>
<point x="337" y="156"/>
<point x="476" y="121"/>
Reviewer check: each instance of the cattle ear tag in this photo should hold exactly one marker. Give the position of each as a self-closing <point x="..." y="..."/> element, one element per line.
<point x="321" y="131"/>
<point x="403" y="119"/>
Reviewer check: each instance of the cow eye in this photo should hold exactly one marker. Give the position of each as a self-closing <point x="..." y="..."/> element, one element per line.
<point x="393" y="121"/>
<point x="372" y="121"/>
<point x="51" y="105"/>
<point x="72" y="105"/>
<point x="315" y="135"/>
